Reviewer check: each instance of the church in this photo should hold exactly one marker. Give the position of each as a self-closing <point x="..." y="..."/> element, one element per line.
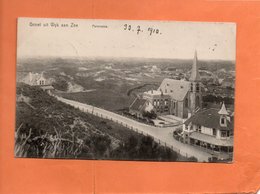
<point x="180" y="98"/>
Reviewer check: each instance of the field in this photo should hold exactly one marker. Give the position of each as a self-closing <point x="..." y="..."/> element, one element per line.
<point x="114" y="83"/>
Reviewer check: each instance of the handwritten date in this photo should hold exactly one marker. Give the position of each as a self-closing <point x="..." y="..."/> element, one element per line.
<point x="138" y="29"/>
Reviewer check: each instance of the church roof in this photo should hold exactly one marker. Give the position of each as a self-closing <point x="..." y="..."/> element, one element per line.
<point x="195" y="76"/>
<point x="177" y="89"/>
<point x="209" y="118"/>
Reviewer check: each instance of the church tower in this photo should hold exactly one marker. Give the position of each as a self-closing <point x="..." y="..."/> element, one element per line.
<point x="195" y="86"/>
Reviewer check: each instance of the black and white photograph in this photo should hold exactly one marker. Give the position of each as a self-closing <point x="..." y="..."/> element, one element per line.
<point x="125" y="90"/>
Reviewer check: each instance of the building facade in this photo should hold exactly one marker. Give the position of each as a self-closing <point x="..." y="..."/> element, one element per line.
<point x="177" y="97"/>
<point x="35" y="79"/>
<point x="212" y="130"/>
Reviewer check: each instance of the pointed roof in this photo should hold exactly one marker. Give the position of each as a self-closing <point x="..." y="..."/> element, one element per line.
<point x="195" y="70"/>
<point x="223" y="110"/>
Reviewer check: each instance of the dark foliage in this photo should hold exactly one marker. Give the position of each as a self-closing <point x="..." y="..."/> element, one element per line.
<point x="60" y="84"/>
<point x="143" y="149"/>
<point x="149" y="115"/>
<point x="217" y="99"/>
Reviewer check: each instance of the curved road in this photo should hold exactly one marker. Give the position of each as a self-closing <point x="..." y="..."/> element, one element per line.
<point x="162" y="134"/>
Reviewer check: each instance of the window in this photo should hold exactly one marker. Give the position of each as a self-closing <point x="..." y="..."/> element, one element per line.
<point x="197" y="103"/>
<point x="191" y="87"/>
<point x="223" y="134"/>
<point x="171" y="91"/>
<point x="214" y="132"/>
<point x="222" y="120"/>
<point x="186" y="103"/>
<point x="162" y="102"/>
<point x="197" y="87"/>
<point x="200" y="130"/>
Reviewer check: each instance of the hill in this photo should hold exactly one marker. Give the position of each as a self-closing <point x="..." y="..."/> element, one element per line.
<point x="47" y="128"/>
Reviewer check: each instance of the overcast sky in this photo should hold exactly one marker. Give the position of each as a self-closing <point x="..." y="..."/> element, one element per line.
<point x="174" y="40"/>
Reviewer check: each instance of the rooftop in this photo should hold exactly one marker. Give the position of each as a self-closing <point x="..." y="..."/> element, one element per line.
<point x="177" y="89"/>
<point x="153" y="92"/>
<point x="209" y="118"/>
<point x="223" y="110"/>
<point x="138" y="104"/>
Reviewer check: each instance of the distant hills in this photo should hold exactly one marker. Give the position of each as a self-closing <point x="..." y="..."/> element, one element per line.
<point x="41" y="63"/>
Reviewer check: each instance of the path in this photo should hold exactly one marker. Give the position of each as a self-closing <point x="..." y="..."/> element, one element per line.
<point x="162" y="135"/>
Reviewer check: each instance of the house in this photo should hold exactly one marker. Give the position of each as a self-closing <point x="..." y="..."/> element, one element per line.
<point x="34" y="79"/>
<point x="159" y="101"/>
<point x="38" y="79"/>
<point x="211" y="130"/>
<point x="139" y="106"/>
<point x="177" y="97"/>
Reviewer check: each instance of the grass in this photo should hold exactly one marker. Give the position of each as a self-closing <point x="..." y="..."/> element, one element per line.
<point x="107" y="99"/>
<point x="53" y="119"/>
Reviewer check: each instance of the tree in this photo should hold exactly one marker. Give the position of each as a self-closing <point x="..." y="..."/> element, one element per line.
<point x="145" y="150"/>
<point x="149" y="115"/>
<point x="131" y="147"/>
<point x="100" y="144"/>
<point x="60" y="84"/>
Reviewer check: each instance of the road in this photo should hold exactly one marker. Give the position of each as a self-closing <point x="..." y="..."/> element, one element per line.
<point x="162" y="134"/>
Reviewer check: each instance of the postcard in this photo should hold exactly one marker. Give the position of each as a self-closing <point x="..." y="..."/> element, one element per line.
<point x="125" y="90"/>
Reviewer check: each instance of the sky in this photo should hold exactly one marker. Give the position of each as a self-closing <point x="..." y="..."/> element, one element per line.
<point x="110" y="38"/>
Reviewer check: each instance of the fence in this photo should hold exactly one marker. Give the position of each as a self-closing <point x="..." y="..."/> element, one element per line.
<point x="92" y="111"/>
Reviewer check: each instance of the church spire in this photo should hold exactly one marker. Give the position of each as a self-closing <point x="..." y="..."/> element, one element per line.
<point x="195" y="70"/>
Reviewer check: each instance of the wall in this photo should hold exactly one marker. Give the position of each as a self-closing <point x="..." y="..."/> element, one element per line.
<point x="206" y="130"/>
